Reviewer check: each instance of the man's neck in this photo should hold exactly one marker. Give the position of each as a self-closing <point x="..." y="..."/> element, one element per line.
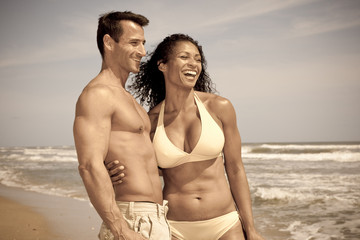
<point x="116" y="77"/>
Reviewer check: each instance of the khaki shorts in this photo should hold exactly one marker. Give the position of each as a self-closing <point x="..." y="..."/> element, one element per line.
<point x="148" y="219"/>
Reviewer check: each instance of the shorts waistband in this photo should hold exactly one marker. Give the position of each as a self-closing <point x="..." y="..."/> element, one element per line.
<point x="143" y="207"/>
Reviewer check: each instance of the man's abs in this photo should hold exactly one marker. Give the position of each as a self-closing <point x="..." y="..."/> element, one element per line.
<point x="141" y="181"/>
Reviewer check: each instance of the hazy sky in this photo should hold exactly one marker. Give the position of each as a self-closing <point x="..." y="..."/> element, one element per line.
<point x="291" y="68"/>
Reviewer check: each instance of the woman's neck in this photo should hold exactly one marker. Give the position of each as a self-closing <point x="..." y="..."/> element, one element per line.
<point x="179" y="99"/>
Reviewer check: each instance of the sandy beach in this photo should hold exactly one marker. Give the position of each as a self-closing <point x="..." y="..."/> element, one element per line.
<point x="28" y="215"/>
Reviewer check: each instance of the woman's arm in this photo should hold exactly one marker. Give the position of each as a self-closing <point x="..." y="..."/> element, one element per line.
<point x="235" y="169"/>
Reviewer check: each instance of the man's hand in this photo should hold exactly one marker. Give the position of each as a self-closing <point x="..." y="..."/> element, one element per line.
<point x="124" y="233"/>
<point x="116" y="172"/>
<point x="132" y="236"/>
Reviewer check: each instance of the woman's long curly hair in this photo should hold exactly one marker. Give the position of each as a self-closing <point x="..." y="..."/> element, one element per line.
<point x="149" y="84"/>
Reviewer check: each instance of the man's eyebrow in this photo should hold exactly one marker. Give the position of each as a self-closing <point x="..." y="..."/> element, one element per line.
<point x="137" y="40"/>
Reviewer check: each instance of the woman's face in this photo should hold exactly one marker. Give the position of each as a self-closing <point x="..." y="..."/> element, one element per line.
<point x="184" y="65"/>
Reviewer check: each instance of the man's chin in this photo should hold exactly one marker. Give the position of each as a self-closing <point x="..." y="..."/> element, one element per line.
<point x="135" y="71"/>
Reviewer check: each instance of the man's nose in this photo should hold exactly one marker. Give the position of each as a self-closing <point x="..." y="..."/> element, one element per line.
<point x="142" y="50"/>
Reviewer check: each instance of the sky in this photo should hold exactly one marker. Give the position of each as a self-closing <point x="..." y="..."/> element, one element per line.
<point x="290" y="68"/>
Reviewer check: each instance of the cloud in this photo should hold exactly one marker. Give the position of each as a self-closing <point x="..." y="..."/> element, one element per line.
<point x="330" y="18"/>
<point x="78" y="41"/>
<point x="50" y="53"/>
<point x="250" y="9"/>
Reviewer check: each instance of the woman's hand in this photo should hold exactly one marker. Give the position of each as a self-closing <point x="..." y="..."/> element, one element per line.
<point x="254" y="236"/>
<point x="116" y="172"/>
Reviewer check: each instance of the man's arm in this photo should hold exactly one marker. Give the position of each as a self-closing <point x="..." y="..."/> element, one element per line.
<point x="92" y="129"/>
<point x="235" y="169"/>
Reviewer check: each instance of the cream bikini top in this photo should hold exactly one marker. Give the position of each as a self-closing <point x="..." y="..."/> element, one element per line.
<point x="209" y="145"/>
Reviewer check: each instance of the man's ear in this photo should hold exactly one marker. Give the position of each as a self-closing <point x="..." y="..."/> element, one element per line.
<point x="161" y="66"/>
<point x="108" y="42"/>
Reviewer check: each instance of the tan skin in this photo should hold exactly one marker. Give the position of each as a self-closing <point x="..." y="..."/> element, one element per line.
<point x="194" y="188"/>
<point x="110" y="124"/>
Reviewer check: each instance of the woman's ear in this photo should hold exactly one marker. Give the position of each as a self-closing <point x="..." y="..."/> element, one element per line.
<point x="161" y="66"/>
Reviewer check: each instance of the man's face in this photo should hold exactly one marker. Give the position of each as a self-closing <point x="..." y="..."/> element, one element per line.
<point x="130" y="48"/>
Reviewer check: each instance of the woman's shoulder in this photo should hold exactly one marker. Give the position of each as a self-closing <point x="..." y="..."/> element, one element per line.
<point x="213" y="101"/>
<point x="154" y="113"/>
<point x="218" y="105"/>
<point x="155" y="110"/>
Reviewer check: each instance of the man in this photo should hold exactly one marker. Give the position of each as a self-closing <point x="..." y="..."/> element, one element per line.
<point x="110" y="124"/>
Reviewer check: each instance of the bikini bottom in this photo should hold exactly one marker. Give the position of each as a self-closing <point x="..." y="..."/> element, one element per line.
<point x="211" y="229"/>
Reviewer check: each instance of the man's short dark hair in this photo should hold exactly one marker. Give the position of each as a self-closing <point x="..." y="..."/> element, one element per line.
<point x="109" y="23"/>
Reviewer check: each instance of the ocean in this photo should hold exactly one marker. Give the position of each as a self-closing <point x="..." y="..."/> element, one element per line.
<point x="302" y="191"/>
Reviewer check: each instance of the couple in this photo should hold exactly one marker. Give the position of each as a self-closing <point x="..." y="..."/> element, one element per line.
<point x="194" y="135"/>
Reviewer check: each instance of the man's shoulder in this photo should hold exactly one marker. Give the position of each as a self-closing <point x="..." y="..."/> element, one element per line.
<point x="96" y="95"/>
<point x="96" y="89"/>
<point x="101" y="90"/>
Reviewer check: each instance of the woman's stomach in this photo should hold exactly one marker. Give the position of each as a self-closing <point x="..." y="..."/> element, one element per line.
<point x="200" y="199"/>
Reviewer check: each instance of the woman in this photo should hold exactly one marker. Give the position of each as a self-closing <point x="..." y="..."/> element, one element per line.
<point x="196" y="141"/>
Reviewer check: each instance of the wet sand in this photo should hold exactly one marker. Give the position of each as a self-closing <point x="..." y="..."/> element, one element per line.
<point x="28" y="215"/>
